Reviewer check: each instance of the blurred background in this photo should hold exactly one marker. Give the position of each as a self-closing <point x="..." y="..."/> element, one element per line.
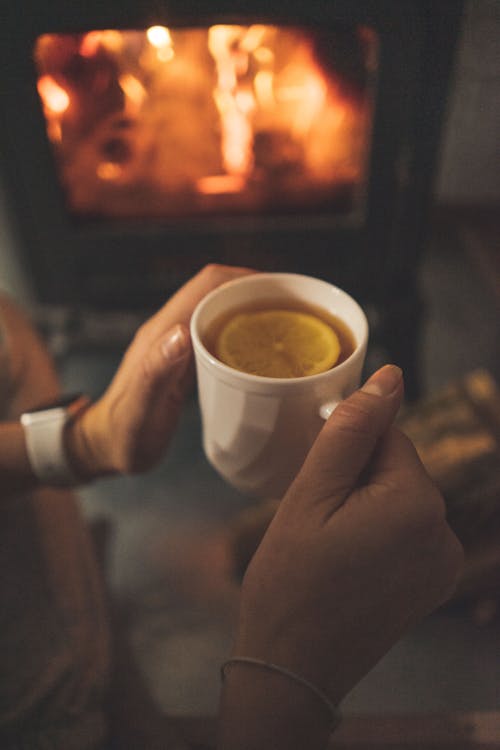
<point x="423" y="197"/>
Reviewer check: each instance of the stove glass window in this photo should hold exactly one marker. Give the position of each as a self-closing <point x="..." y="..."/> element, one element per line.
<point x="169" y="123"/>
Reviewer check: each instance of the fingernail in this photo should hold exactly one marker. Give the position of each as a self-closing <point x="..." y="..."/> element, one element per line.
<point x="384" y="382"/>
<point x="176" y="344"/>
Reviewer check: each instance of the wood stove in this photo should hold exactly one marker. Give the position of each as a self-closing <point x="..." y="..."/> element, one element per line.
<point x="141" y="140"/>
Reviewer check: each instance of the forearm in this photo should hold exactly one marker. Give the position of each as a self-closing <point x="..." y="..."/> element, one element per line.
<point x="262" y="710"/>
<point x="16" y="474"/>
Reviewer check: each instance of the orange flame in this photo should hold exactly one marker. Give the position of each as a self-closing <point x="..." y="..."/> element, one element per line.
<point x="262" y="117"/>
<point x="220" y="183"/>
<point x="132" y="88"/>
<point x="53" y="96"/>
<point x="110" y="39"/>
<point x="90" y="43"/>
<point x="159" y="36"/>
<point x="230" y="47"/>
<point x="109" y="171"/>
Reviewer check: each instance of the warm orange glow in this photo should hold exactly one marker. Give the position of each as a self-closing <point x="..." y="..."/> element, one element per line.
<point x="245" y="101"/>
<point x="253" y="36"/>
<point x="109" y="171"/>
<point x="112" y="40"/>
<point x="54" y="97"/>
<point x="90" y="43"/>
<point x="109" y="39"/>
<point x="296" y="96"/>
<point x="159" y="36"/>
<point x="54" y="131"/>
<point x="165" y="54"/>
<point x="263" y="84"/>
<point x="220" y="183"/>
<point x="231" y="61"/>
<point x="133" y="88"/>
<point x="165" y="121"/>
<point x="263" y="55"/>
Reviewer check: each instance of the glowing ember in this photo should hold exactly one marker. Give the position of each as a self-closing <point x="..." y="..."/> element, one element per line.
<point x="54" y="97"/>
<point x="109" y="171"/>
<point x="165" y="54"/>
<point x="189" y="121"/>
<point x="159" y="36"/>
<point x="133" y="89"/>
<point x="90" y="43"/>
<point x="220" y="183"/>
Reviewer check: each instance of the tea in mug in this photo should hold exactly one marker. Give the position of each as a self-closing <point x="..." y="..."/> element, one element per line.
<point x="280" y="339"/>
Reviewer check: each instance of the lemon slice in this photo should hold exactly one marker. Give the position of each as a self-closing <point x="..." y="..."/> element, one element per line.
<point x="278" y="344"/>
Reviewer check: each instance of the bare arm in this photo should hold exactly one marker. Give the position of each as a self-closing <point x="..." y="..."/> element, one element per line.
<point x="128" y="429"/>
<point x="28" y="378"/>
<point x="358" y="551"/>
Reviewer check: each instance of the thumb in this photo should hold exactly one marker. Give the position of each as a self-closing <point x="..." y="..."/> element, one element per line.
<point x="347" y="442"/>
<point x="155" y="391"/>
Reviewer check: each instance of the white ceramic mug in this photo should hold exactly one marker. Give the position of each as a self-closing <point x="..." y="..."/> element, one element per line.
<point x="258" y="430"/>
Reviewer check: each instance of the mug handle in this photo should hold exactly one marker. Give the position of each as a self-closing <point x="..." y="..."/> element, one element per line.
<point x="327" y="409"/>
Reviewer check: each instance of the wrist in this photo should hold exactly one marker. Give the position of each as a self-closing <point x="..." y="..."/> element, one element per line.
<point x="253" y="663"/>
<point x="86" y="445"/>
<point x="304" y="654"/>
<point x="263" y="708"/>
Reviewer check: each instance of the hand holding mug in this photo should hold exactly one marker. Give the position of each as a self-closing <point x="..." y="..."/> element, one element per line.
<point x="358" y="551"/>
<point x="128" y="429"/>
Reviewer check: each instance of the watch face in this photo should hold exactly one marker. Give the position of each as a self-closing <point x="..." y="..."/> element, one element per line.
<point x="61" y="403"/>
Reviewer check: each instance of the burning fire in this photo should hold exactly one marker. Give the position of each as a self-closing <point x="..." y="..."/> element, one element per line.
<point x="55" y="98"/>
<point x="227" y="110"/>
<point x="159" y="37"/>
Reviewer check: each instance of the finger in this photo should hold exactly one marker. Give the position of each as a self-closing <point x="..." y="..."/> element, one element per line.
<point x="178" y="309"/>
<point x="155" y="397"/>
<point x="347" y="442"/>
<point x="396" y="464"/>
<point x="395" y="453"/>
<point x="165" y="366"/>
<point x="157" y="373"/>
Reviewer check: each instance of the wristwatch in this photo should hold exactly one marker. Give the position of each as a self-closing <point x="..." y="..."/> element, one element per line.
<point x="44" y="434"/>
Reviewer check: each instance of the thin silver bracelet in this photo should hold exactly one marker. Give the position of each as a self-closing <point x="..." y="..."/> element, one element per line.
<point x="334" y="712"/>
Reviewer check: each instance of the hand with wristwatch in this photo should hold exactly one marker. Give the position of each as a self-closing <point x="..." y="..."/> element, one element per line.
<point x="45" y="430"/>
<point x="71" y="441"/>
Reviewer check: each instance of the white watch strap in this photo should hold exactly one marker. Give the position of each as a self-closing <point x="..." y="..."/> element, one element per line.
<point x="43" y="432"/>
